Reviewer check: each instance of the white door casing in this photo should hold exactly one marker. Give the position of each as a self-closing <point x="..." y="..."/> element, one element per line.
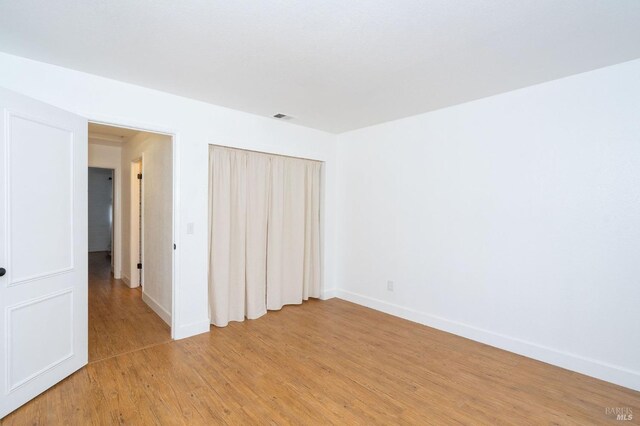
<point x="43" y="247"/>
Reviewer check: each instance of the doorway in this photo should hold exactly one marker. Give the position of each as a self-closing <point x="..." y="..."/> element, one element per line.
<point x="131" y="291"/>
<point x="100" y="212"/>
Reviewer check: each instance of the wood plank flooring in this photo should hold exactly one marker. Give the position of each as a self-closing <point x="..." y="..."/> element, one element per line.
<point x="119" y="321"/>
<point x="325" y="362"/>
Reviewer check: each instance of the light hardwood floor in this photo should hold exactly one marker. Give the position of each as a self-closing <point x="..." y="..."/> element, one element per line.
<point x="325" y="362"/>
<point x="119" y="321"/>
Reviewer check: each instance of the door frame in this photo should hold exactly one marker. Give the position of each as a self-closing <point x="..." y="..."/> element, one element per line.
<point x="175" y="220"/>
<point x="136" y="239"/>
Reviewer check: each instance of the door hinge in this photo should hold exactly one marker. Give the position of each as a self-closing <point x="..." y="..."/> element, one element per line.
<point x="139" y="175"/>
<point x="174" y="246"/>
<point x="139" y="265"/>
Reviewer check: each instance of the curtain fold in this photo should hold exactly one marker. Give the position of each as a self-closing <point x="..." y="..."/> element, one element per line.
<point x="286" y="238"/>
<point x="227" y="242"/>
<point x="256" y="237"/>
<point x="264" y="233"/>
<point x="312" y="270"/>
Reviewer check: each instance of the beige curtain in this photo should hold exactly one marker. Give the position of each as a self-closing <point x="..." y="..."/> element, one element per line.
<point x="264" y="233"/>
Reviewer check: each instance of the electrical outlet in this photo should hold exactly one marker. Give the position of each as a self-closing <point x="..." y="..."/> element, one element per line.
<point x="389" y="285"/>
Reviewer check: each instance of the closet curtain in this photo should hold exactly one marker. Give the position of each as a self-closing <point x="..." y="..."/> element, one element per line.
<point x="264" y="233"/>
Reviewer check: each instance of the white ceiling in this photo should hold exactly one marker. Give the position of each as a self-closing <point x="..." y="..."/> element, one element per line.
<point x="334" y="65"/>
<point x="102" y="134"/>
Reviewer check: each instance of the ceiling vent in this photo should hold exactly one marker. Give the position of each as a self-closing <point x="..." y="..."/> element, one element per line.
<point x="282" y="116"/>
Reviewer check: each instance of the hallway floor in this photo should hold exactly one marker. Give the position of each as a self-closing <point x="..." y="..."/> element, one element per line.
<point x="119" y="321"/>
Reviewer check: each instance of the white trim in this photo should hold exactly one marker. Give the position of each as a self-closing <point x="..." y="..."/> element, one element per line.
<point x="328" y="294"/>
<point x="14" y="283"/>
<point x="136" y="216"/>
<point x="192" y="329"/>
<point x="157" y="308"/>
<point x="598" y="369"/>
<point x="175" y="259"/>
<point x="126" y="280"/>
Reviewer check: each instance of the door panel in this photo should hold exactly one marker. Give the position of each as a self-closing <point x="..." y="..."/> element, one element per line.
<point x="43" y="247"/>
<point x="47" y="179"/>
<point x="56" y="334"/>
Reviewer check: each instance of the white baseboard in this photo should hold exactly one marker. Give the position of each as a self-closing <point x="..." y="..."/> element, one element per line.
<point x="157" y="308"/>
<point x="192" y="329"/>
<point x="328" y="294"/>
<point x="598" y="369"/>
<point x="126" y="280"/>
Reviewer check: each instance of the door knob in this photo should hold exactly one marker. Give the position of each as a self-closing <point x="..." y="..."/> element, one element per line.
<point x="2" y="272"/>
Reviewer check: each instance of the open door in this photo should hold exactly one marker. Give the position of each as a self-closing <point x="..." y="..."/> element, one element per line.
<point x="43" y="247"/>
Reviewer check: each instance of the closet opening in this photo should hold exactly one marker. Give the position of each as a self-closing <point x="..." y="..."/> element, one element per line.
<point x="264" y="232"/>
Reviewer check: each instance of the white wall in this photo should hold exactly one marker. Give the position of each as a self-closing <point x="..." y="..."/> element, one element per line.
<point x="196" y="124"/>
<point x="156" y="154"/>
<point x="109" y="157"/>
<point x="100" y="209"/>
<point x="513" y="220"/>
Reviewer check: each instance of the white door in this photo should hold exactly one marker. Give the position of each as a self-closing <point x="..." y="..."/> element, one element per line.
<point x="43" y="247"/>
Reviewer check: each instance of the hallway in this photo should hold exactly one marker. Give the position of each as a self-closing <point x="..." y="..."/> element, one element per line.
<point x="119" y="321"/>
